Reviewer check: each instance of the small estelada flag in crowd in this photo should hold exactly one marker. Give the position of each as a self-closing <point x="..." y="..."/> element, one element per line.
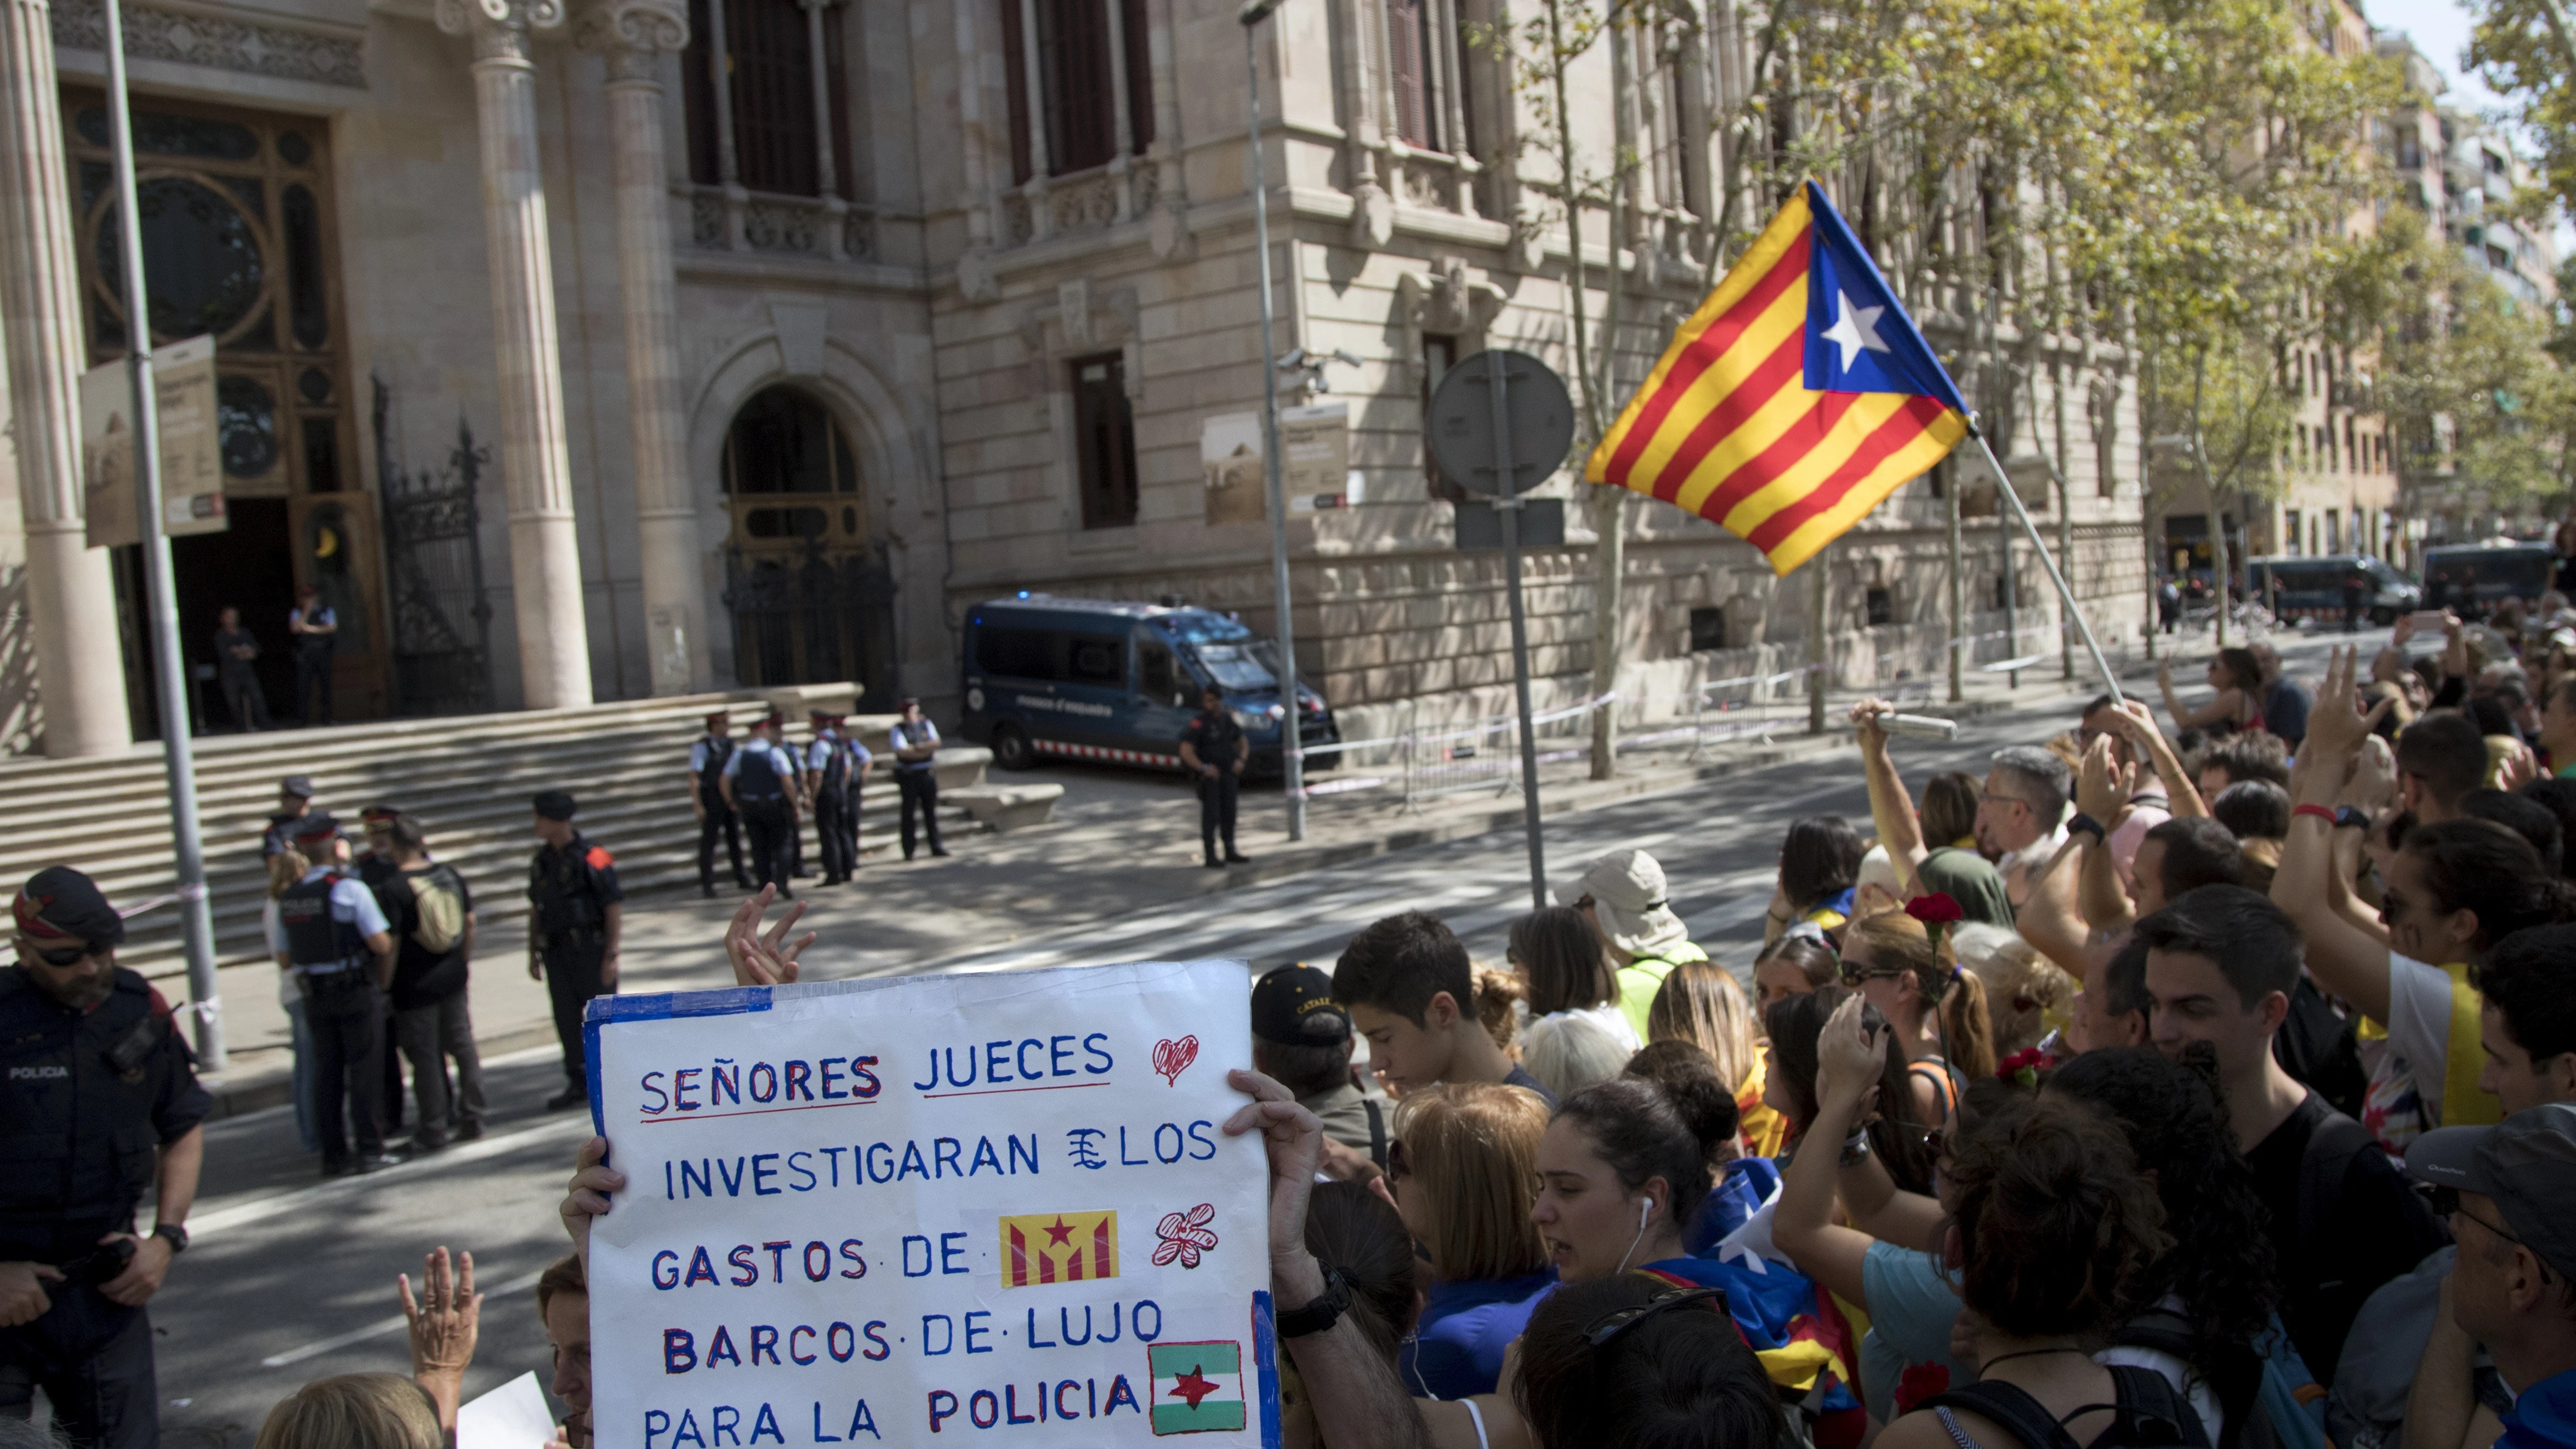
<point x="1059" y="1248"/>
<point x="1198" y="1387"/>
<point x="1796" y="398"/>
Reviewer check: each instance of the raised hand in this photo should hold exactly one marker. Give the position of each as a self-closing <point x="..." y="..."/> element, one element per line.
<point x="764" y="959"/>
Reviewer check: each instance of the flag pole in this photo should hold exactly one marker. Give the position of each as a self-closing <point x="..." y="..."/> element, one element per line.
<point x="2065" y="594"/>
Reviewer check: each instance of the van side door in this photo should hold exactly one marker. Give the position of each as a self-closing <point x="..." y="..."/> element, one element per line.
<point x="1167" y="696"/>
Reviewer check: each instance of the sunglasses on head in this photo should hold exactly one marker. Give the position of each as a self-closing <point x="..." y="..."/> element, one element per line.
<point x="1610" y="1325"/>
<point x="1854" y="975"/>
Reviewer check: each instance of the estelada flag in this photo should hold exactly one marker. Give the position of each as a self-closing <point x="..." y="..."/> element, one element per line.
<point x="1042" y="1248"/>
<point x="1797" y="397"/>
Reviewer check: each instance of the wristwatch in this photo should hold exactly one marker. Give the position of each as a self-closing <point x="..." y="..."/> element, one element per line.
<point x="173" y="1234"/>
<point x="1321" y="1314"/>
<point x="2086" y="822"/>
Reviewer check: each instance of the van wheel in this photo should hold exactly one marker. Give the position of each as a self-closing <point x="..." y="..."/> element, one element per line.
<point x="1011" y="748"/>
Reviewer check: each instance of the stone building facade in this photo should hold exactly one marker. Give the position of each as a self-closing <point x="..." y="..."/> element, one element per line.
<point x="586" y="349"/>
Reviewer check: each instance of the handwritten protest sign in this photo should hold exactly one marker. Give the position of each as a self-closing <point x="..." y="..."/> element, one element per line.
<point x="908" y="1210"/>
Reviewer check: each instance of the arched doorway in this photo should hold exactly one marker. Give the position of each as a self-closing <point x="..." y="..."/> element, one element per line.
<point x="805" y="579"/>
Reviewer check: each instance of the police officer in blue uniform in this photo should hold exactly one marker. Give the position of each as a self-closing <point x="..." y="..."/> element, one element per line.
<point x="332" y="934"/>
<point x="761" y="781"/>
<point x="294" y="798"/>
<point x="707" y="756"/>
<point x="835" y="767"/>
<point x="1213" y="749"/>
<point x="101" y="1102"/>
<point x="575" y="914"/>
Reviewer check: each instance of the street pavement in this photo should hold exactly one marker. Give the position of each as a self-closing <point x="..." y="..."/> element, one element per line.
<point x="291" y="1278"/>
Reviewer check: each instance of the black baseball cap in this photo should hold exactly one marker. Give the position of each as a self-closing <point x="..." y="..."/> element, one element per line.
<point x="1283" y="999"/>
<point x="554" y="804"/>
<point x="59" y="903"/>
<point x="2527" y="1164"/>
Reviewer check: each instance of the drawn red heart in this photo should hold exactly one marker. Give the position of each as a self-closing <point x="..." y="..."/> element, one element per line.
<point x="1171" y="1058"/>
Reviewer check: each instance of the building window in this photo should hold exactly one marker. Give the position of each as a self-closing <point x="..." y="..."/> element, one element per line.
<point x="1409" y="67"/>
<point x="768" y="89"/>
<point x="1882" y="606"/>
<point x="1439" y="354"/>
<point x="1077" y="90"/>
<point x="1104" y="441"/>
<point x="1707" y="629"/>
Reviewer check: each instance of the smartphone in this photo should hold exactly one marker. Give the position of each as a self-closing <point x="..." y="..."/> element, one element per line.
<point x="2434" y="619"/>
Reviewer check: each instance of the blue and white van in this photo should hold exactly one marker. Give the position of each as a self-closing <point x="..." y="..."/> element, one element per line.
<point x="1089" y="679"/>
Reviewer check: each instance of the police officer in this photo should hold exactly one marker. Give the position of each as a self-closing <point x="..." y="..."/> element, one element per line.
<point x="1214" y="749"/>
<point x="375" y="866"/>
<point x="93" y="1069"/>
<point x="332" y="934"/>
<point x="707" y="802"/>
<point x="761" y="782"/>
<point x="316" y="628"/>
<point x="573" y="923"/>
<point x="835" y="768"/>
<point x="916" y="747"/>
<point x="294" y="798"/>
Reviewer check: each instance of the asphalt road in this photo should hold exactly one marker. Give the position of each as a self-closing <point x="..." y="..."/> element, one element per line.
<point x="291" y="1279"/>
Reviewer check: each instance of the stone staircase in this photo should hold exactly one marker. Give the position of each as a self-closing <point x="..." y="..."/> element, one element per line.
<point x="468" y="779"/>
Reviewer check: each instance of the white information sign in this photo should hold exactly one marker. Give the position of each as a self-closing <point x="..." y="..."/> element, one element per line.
<point x="931" y="1208"/>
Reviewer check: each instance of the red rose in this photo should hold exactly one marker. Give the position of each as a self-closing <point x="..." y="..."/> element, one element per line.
<point x="1936" y="909"/>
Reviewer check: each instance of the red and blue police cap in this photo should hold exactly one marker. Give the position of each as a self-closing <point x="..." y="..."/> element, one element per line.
<point x="59" y="903"/>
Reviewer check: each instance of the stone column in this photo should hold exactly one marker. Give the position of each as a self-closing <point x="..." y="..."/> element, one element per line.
<point x="632" y="35"/>
<point x="545" y="561"/>
<point x="71" y="600"/>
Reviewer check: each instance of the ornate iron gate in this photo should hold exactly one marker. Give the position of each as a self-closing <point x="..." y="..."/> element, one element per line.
<point x="433" y="545"/>
<point x="809" y="613"/>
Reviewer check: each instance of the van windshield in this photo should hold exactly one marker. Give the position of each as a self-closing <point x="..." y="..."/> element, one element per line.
<point x="1236" y="659"/>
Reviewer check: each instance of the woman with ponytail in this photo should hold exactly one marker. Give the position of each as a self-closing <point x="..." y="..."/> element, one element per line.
<point x="2454" y="890"/>
<point x="1937" y="1009"/>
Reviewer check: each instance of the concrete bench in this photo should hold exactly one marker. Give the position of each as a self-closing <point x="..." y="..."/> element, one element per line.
<point x="1006" y="807"/>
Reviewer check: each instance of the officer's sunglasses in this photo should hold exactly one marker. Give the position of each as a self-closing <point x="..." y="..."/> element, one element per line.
<point x="63" y="956"/>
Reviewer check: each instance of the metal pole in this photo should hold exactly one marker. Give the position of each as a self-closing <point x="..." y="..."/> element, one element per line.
<point x="2065" y="594"/>
<point x="170" y="689"/>
<point x="1507" y="504"/>
<point x="1290" y="755"/>
<point x="1817" y="649"/>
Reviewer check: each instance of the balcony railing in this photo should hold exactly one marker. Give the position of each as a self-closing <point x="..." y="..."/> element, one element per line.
<point x="825" y="228"/>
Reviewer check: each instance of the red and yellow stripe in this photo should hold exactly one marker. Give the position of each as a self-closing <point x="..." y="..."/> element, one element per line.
<point x="1727" y="428"/>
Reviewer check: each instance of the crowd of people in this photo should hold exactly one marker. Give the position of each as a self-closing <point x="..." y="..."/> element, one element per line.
<point x="2176" y="1083"/>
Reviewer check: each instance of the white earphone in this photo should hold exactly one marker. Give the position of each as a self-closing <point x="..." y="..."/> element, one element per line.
<point x="1644" y="1207"/>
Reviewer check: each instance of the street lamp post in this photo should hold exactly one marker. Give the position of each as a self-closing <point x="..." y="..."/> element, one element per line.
<point x="170" y="689"/>
<point x="1294" y="767"/>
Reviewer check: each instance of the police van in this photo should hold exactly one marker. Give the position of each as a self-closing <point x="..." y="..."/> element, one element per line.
<point x="2310" y="586"/>
<point x="1088" y="679"/>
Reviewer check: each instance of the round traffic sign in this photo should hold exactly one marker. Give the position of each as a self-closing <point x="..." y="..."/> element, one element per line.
<point x="1473" y="426"/>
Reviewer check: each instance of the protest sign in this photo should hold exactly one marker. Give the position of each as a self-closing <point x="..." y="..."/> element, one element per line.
<point x="907" y="1210"/>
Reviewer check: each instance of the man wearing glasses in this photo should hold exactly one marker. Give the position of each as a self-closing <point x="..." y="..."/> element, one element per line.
<point x="2510" y="1191"/>
<point x="89" y="1065"/>
<point x="2020" y="815"/>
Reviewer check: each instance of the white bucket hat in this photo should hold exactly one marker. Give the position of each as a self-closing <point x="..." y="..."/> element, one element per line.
<point x="1627" y="892"/>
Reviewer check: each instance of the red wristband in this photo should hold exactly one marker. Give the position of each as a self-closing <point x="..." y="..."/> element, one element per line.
<point x="2322" y="812"/>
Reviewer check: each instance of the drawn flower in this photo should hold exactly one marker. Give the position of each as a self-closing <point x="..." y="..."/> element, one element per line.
<point x="1185" y="1238"/>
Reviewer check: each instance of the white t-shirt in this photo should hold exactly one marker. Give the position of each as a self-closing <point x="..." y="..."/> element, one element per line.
<point x="2404" y="1099"/>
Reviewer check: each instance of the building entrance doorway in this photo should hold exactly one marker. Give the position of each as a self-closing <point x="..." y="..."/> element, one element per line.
<point x="805" y="578"/>
<point x="237" y="234"/>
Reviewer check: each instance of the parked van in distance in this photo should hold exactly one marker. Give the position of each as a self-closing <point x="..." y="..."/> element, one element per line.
<point x="2310" y="586"/>
<point x="1090" y="679"/>
<point x="2494" y="572"/>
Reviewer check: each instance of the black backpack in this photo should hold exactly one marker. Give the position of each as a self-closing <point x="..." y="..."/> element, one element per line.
<point x="2148" y="1413"/>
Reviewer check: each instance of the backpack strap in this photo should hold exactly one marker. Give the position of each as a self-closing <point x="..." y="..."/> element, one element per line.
<point x="1377" y="1151"/>
<point x="2330" y="1151"/>
<point x="2151" y="1411"/>
<point x="2023" y="1417"/>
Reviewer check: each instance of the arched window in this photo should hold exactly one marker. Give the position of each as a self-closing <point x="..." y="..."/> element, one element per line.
<point x="764" y="84"/>
<point x="804" y="578"/>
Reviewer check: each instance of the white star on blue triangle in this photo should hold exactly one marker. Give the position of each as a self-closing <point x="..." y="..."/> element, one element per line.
<point x="1858" y="338"/>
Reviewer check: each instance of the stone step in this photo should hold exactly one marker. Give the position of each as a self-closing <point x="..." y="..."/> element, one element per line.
<point x="469" y="779"/>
